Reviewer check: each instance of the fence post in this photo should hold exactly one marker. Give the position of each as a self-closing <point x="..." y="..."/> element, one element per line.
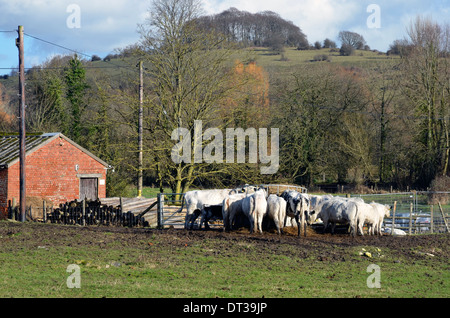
<point x="14" y="209"/>
<point x="393" y="218"/>
<point x="65" y="214"/>
<point x="44" y="212"/>
<point x="410" y="217"/>
<point x="159" y="213"/>
<point x="10" y="215"/>
<point x="443" y="216"/>
<point x="83" y="212"/>
<point x="431" y="219"/>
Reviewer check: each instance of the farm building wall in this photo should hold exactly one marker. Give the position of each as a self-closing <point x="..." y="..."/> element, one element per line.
<point x="53" y="171"/>
<point x="3" y="191"/>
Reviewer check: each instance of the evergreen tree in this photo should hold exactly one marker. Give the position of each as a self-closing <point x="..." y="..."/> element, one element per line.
<point x="76" y="87"/>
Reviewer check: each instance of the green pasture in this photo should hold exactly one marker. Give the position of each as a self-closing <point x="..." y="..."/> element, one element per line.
<point x="34" y="259"/>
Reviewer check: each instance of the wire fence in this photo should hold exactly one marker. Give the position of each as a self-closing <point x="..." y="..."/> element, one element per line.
<point x="414" y="212"/>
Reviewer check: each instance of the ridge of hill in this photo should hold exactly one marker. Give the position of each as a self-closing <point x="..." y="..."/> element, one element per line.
<point x="276" y="63"/>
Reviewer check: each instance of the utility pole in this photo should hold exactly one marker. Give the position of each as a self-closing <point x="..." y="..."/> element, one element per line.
<point x="140" y="129"/>
<point x="22" y="133"/>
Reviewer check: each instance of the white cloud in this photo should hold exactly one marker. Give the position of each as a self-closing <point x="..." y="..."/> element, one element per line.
<point x="104" y="25"/>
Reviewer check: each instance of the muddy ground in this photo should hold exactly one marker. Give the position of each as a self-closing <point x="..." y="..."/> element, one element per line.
<point x="326" y="247"/>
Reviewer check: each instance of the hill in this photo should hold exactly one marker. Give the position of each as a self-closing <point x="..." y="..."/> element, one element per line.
<point x="277" y="64"/>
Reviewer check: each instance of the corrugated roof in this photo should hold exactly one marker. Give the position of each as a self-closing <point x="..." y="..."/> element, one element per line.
<point x="10" y="146"/>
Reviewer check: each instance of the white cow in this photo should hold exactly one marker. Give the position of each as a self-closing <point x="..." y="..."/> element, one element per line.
<point x="254" y="207"/>
<point x="276" y="210"/>
<point x="373" y="215"/>
<point x="339" y="210"/>
<point x="297" y="207"/>
<point x="195" y="200"/>
<point x="316" y="201"/>
<point x="231" y="206"/>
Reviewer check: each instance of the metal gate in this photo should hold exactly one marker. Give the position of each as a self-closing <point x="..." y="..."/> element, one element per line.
<point x="171" y="211"/>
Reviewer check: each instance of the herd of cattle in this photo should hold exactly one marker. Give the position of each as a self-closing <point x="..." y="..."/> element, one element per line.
<point x="289" y="208"/>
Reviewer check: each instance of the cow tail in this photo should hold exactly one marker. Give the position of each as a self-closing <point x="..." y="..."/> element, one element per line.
<point x="225" y="216"/>
<point x="182" y="205"/>
<point x="355" y="220"/>
<point x="253" y="212"/>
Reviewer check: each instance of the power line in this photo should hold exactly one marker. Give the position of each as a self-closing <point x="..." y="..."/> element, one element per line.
<point x="75" y="51"/>
<point x="59" y="68"/>
<point x="57" y="45"/>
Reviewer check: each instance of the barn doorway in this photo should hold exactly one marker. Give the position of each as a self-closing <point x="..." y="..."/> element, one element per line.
<point x="88" y="188"/>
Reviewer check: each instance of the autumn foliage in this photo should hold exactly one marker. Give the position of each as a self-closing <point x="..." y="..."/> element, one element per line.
<point x="5" y="118"/>
<point x="248" y="106"/>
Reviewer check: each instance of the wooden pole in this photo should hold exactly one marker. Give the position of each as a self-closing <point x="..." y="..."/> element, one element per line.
<point x="410" y="217"/>
<point x="443" y="216"/>
<point x="393" y="217"/>
<point x="44" y="212"/>
<point x="140" y="129"/>
<point x="13" y="208"/>
<point x="431" y="219"/>
<point x="22" y="133"/>
<point x="83" y="212"/>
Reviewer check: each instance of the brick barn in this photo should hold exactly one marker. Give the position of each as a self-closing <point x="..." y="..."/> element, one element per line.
<point x="56" y="168"/>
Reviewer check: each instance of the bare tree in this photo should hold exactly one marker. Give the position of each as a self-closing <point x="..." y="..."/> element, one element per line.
<point x="353" y="39"/>
<point x="189" y="72"/>
<point x="427" y="85"/>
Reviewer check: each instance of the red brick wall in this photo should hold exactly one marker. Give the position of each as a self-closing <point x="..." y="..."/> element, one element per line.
<point x="3" y="192"/>
<point x="50" y="172"/>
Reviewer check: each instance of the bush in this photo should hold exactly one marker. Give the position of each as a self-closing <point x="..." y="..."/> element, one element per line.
<point x="346" y="50"/>
<point x="440" y="184"/>
<point x="328" y="44"/>
<point x="321" y="57"/>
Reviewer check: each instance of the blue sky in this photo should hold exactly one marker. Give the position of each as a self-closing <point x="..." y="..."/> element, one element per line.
<point x="106" y="25"/>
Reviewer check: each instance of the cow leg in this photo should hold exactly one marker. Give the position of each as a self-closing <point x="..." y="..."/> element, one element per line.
<point x="252" y="222"/>
<point x="205" y="219"/>
<point x="187" y="221"/>
<point x="260" y="220"/>
<point x="303" y="222"/>
<point x="277" y="225"/>
<point x="297" y="220"/>
<point x="202" y="219"/>
<point x="333" y="225"/>
<point x="325" y="225"/>
<point x="194" y="217"/>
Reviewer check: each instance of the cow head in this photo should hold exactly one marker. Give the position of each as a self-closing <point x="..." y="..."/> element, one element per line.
<point x="301" y="206"/>
<point x="387" y="210"/>
<point x="312" y="217"/>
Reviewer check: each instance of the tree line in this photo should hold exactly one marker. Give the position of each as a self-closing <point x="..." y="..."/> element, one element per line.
<point x="262" y="29"/>
<point x="386" y="123"/>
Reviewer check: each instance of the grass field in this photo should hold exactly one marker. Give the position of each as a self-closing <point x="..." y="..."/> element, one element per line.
<point x="121" y="262"/>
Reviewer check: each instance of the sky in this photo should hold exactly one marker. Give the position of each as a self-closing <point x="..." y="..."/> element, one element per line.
<point x="98" y="27"/>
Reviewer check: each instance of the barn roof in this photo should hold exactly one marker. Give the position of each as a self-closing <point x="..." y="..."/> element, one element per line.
<point x="10" y="146"/>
